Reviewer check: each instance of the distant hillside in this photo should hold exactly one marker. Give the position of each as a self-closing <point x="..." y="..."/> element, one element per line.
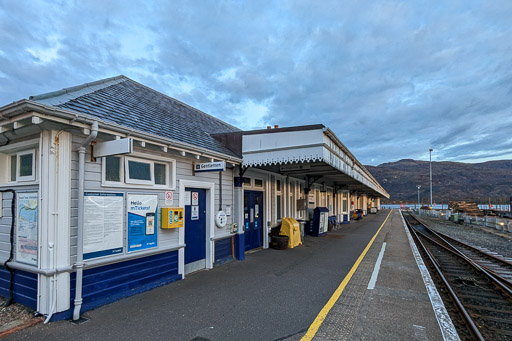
<point x="450" y="180"/>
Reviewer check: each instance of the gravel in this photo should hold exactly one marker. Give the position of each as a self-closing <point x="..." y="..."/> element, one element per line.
<point x="11" y="315"/>
<point x="478" y="236"/>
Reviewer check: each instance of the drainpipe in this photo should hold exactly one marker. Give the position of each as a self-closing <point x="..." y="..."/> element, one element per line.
<point x="79" y="265"/>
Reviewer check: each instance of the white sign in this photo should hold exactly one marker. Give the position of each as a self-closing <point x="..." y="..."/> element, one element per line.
<point x="26" y="223"/>
<point x="194" y="213"/>
<point x="114" y="147"/>
<point x="169" y="195"/>
<point x="228" y="210"/>
<point x="103" y="224"/>
<point x="187" y="198"/>
<point x="218" y="166"/>
<point x="195" y="198"/>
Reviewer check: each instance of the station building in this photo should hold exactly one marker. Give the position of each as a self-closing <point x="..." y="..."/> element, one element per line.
<point x="111" y="188"/>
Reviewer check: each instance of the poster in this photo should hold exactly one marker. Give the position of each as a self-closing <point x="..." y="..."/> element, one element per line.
<point x="194" y="215"/>
<point x="103" y="224"/>
<point x="26" y="233"/>
<point x="142" y="221"/>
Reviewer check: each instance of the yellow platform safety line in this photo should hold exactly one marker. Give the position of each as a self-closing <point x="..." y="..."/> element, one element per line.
<point x="313" y="329"/>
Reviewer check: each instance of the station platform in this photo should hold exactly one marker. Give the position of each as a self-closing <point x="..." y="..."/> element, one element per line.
<point x="278" y="295"/>
<point x="387" y="297"/>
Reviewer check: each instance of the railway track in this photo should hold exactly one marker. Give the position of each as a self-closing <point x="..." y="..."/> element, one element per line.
<point x="477" y="283"/>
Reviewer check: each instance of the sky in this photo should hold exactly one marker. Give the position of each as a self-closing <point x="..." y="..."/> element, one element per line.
<point x="390" y="78"/>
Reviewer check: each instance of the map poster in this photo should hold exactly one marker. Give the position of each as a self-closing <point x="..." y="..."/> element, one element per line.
<point x="26" y="228"/>
<point x="142" y="221"/>
<point x="103" y="224"/>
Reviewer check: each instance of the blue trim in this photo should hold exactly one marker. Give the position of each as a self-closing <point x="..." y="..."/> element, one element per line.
<point x="103" y="253"/>
<point x="240" y="246"/>
<point x="223" y="251"/>
<point x="25" y="286"/>
<point x="239" y="181"/>
<point x="106" y="284"/>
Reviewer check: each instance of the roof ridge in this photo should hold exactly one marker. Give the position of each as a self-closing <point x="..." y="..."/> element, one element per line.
<point x="185" y="104"/>
<point x="106" y="82"/>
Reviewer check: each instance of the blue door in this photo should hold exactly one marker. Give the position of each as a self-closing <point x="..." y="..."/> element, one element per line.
<point x="253" y="219"/>
<point x="195" y="230"/>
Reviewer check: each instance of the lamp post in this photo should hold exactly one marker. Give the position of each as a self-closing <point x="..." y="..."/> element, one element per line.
<point x="418" y="187"/>
<point x="430" y="150"/>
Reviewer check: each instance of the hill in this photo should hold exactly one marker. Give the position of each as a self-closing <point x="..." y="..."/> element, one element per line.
<point x="450" y="180"/>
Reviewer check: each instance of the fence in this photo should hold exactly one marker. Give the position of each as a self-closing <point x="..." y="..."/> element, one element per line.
<point x="501" y="224"/>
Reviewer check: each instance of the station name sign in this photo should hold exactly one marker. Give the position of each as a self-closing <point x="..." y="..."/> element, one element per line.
<point x="219" y="166"/>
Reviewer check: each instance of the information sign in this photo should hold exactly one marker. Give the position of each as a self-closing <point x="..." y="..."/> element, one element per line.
<point x="26" y="232"/>
<point x="194" y="213"/>
<point x="103" y="224"/>
<point x="142" y="219"/>
<point x="218" y="166"/>
<point x="187" y="198"/>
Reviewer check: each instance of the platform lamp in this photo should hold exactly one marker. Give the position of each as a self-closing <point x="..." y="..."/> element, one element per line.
<point x="418" y="187"/>
<point x="430" y="150"/>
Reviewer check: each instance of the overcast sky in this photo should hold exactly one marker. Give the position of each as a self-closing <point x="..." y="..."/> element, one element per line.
<point x="391" y="78"/>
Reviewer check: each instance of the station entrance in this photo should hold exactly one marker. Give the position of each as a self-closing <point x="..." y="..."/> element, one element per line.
<point x="253" y="219"/>
<point x="195" y="230"/>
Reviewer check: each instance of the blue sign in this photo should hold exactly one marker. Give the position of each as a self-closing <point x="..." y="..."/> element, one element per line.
<point x="142" y="222"/>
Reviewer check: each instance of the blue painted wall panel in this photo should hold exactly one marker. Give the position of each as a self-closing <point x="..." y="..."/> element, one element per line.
<point x="223" y="251"/>
<point x="110" y="283"/>
<point x="25" y="286"/>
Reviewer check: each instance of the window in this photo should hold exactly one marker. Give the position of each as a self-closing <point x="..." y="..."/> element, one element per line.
<point x="138" y="172"/>
<point x="22" y="166"/>
<point x="120" y="170"/>
<point x="247" y="181"/>
<point x="279" y="201"/>
<point x="160" y="171"/>
<point x="278" y="207"/>
<point x="258" y="183"/>
<point x="113" y="168"/>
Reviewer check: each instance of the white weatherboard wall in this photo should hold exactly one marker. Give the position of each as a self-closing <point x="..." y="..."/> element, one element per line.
<point x="5" y="204"/>
<point x="167" y="238"/>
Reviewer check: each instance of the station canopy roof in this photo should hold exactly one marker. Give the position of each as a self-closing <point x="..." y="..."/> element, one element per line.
<point x="311" y="152"/>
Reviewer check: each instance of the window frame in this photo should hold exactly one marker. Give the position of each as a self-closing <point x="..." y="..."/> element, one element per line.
<point x="127" y="182"/>
<point x="18" y="177"/>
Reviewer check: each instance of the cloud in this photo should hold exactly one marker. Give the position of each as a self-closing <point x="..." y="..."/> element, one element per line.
<point x="390" y="78"/>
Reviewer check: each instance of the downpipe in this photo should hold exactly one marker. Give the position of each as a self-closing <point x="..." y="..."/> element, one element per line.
<point x="79" y="265"/>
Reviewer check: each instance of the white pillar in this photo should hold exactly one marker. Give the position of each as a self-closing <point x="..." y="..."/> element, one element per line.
<point x="55" y="211"/>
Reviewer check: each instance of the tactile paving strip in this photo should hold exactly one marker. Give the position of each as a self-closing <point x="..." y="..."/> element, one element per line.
<point x="339" y="323"/>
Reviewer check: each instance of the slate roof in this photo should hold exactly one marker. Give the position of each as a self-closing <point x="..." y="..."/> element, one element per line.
<point x="125" y="102"/>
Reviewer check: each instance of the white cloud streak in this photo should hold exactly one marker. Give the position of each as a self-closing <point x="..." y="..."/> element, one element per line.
<point x="390" y="78"/>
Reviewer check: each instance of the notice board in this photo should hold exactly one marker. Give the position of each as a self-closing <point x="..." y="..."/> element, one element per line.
<point x="26" y="228"/>
<point x="103" y="224"/>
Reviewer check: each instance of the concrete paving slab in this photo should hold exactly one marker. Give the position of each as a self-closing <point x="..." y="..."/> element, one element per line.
<point x="398" y="308"/>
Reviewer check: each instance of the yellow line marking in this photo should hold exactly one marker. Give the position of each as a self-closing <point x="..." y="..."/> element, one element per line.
<point x="328" y="306"/>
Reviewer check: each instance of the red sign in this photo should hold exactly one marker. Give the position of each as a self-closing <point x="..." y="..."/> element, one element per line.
<point x="401" y="205"/>
<point x="168" y="195"/>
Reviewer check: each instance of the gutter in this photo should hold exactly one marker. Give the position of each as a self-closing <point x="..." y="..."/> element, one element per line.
<point x="79" y="265"/>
